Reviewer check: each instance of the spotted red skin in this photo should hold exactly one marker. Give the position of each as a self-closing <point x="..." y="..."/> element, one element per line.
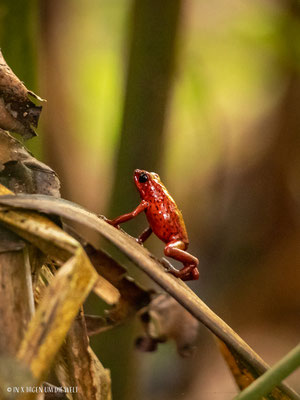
<point x="163" y="215"/>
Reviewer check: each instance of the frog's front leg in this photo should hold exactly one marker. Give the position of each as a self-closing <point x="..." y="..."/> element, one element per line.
<point x="126" y="217"/>
<point x="176" y="250"/>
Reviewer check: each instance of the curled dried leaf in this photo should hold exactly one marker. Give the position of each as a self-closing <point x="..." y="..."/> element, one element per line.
<point x="17" y="112"/>
<point x="165" y="319"/>
<point x="21" y="172"/>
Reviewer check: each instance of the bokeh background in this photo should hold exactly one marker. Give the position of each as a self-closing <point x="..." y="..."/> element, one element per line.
<point x="207" y="94"/>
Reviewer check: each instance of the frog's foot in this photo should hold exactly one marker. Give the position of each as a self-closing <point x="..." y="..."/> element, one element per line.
<point x="177" y="250"/>
<point x="187" y="273"/>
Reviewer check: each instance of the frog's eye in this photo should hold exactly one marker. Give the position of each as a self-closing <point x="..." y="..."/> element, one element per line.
<point x="143" y="178"/>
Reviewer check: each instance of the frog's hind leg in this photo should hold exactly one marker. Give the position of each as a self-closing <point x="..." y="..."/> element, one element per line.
<point x="177" y="250"/>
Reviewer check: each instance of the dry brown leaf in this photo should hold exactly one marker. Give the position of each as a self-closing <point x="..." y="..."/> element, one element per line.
<point x="17" y="112"/>
<point x="50" y="239"/>
<point x="63" y="297"/>
<point x="21" y="172"/>
<point x="77" y="366"/>
<point x="41" y="232"/>
<point x="16" y="299"/>
<point x="132" y="296"/>
<point x="96" y="324"/>
<point x="143" y="259"/>
<point x="55" y="313"/>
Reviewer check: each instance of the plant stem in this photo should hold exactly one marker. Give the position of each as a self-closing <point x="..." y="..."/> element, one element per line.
<point x="266" y="382"/>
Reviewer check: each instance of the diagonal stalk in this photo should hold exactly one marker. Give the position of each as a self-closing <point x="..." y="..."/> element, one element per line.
<point x="266" y="382"/>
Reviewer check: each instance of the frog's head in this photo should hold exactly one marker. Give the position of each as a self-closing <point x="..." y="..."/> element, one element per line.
<point x="145" y="181"/>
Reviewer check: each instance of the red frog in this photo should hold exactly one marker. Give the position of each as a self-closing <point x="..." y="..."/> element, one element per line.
<point x="165" y="220"/>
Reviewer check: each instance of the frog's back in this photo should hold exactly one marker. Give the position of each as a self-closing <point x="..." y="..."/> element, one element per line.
<point x="164" y="217"/>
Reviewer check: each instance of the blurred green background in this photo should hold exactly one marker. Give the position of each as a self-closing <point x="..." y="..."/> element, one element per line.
<point x="207" y="94"/>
